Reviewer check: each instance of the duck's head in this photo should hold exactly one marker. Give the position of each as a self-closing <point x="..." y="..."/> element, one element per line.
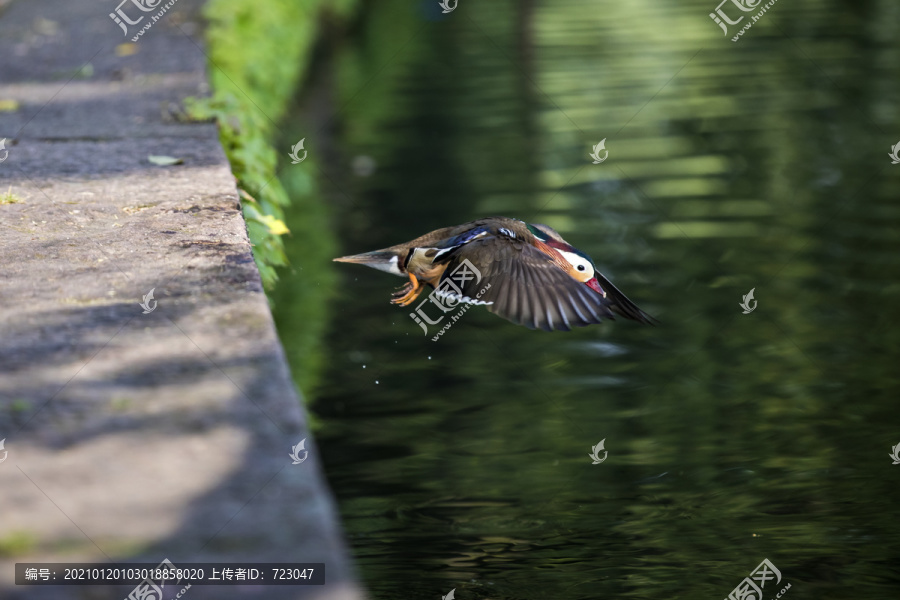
<point x="578" y="264"/>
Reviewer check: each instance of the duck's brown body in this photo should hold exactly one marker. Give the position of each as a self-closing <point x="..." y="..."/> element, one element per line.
<point x="525" y="273"/>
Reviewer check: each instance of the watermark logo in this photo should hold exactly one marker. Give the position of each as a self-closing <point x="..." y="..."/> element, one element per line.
<point x="595" y="453"/>
<point x="895" y="455"/>
<point x="596" y="153"/>
<point x="895" y="160"/>
<point x="120" y="18"/>
<point x="146" y="303"/>
<point x="295" y="452"/>
<point x="447" y="297"/>
<point x="123" y="20"/>
<point x="723" y="20"/>
<point x="450" y="595"/>
<point x="4" y="153"/>
<point x="445" y="4"/>
<point x="6" y="452"/>
<point x="295" y="159"/>
<point x="751" y="588"/>
<point x="745" y="304"/>
<point x="149" y="590"/>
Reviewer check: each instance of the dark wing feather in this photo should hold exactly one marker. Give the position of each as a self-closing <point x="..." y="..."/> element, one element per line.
<point x="526" y="286"/>
<point x="621" y="305"/>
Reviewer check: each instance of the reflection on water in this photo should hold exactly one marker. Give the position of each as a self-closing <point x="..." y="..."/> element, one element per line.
<point x="464" y="463"/>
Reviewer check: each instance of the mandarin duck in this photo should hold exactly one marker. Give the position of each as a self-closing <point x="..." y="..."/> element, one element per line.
<point x="525" y="273"/>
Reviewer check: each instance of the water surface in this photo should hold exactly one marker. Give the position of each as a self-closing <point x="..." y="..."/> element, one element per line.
<point x="760" y="164"/>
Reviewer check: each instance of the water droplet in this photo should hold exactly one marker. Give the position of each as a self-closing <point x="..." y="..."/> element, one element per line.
<point x="364" y="366"/>
<point x="376" y="382"/>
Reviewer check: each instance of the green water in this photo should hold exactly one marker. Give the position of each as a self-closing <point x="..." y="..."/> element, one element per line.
<point x="731" y="438"/>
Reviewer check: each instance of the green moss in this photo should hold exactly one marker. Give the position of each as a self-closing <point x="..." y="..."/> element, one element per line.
<point x="258" y="55"/>
<point x="17" y="543"/>
<point x="19" y="406"/>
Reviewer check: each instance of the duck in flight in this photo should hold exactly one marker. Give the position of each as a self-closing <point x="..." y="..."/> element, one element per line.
<point x="525" y="273"/>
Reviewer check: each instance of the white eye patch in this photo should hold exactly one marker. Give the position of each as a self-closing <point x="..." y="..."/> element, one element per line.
<point x="583" y="267"/>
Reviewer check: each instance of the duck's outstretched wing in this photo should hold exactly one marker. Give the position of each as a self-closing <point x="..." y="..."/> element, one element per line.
<point x="520" y="283"/>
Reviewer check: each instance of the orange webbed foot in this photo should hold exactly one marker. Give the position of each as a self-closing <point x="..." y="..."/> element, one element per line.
<point x="408" y="293"/>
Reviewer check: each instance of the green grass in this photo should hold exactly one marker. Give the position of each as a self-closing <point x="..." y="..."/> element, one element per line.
<point x="10" y="198"/>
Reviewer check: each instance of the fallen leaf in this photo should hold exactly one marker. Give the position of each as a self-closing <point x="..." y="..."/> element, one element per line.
<point x="126" y="49"/>
<point x="164" y="161"/>
<point x="46" y="26"/>
<point x="9" y="105"/>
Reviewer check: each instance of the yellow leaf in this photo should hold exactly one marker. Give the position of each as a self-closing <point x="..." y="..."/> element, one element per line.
<point x="276" y="226"/>
<point x="126" y="49"/>
<point x="9" y="105"/>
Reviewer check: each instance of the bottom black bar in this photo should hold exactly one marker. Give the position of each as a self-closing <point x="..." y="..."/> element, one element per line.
<point x="168" y="574"/>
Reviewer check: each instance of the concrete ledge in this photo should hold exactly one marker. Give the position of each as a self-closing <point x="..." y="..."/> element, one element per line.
<point x="130" y="436"/>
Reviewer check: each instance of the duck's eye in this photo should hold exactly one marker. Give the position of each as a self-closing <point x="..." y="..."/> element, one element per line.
<point x="579" y="266"/>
